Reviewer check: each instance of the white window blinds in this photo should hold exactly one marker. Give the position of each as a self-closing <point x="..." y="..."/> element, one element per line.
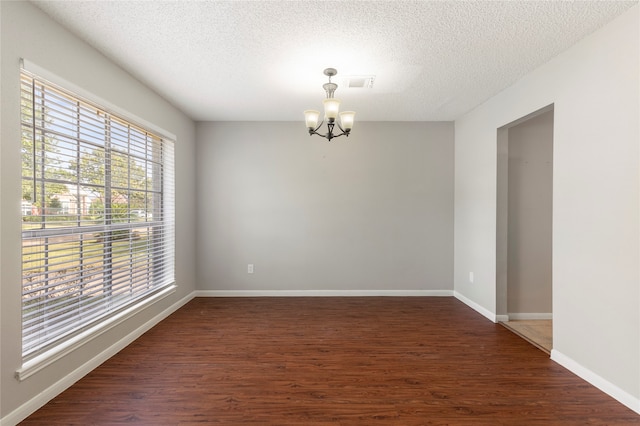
<point x="97" y="215"/>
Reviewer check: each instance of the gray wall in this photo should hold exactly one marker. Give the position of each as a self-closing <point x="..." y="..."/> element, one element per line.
<point x="28" y="33"/>
<point x="370" y="212"/>
<point x="530" y="189"/>
<point x="594" y="88"/>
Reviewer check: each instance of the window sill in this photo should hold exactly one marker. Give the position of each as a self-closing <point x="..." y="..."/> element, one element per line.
<point x="45" y="359"/>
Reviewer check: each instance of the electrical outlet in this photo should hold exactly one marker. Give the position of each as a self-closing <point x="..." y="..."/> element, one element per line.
<point x="471" y="277"/>
<point x="250" y="268"/>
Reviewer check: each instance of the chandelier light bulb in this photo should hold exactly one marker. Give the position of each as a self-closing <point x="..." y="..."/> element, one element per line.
<point x="346" y="119"/>
<point x="331" y="108"/>
<point x="311" y="118"/>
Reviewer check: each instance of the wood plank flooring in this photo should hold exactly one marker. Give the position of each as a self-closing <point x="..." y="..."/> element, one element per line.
<point x="331" y="361"/>
<point x="537" y="332"/>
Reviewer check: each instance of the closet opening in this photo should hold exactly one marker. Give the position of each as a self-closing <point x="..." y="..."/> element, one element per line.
<point x="524" y="227"/>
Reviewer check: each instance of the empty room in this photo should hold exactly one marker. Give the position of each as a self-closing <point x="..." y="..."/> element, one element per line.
<point x="319" y="212"/>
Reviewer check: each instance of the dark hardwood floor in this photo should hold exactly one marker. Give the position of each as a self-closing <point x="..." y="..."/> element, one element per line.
<point x="328" y="361"/>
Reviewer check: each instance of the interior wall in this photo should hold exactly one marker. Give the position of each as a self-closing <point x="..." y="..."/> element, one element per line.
<point x="530" y="189"/>
<point x="370" y="212"/>
<point x="502" y="222"/>
<point x="28" y="33"/>
<point x="594" y="88"/>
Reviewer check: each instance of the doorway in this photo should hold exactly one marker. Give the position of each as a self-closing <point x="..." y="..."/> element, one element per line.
<point x="524" y="227"/>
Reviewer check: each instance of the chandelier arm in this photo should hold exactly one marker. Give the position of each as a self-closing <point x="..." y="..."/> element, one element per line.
<point x="319" y="125"/>
<point x="328" y="136"/>
<point x="313" y="131"/>
<point x="341" y="134"/>
<point x="344" y="132"/>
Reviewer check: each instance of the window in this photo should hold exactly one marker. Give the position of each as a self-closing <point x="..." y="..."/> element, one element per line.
<point x="97" y="216"/>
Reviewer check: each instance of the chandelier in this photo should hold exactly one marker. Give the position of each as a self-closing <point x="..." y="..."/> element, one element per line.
<point x="331" y="108"/>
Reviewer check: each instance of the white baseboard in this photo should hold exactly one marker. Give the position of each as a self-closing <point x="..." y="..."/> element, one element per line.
<point x="22" y="412"/>
<point x="529" y="316"/>
<point x="321" y="293"/>
<point x="473" y="305"/>
<point x="502" y="318"/>
<point x="604" y="385"/>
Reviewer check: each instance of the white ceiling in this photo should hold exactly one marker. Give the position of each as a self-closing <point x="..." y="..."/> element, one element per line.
<point x="263" y="60"/>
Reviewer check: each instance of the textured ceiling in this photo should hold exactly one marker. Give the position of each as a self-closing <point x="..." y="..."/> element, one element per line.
<point x="263" y="60"/>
